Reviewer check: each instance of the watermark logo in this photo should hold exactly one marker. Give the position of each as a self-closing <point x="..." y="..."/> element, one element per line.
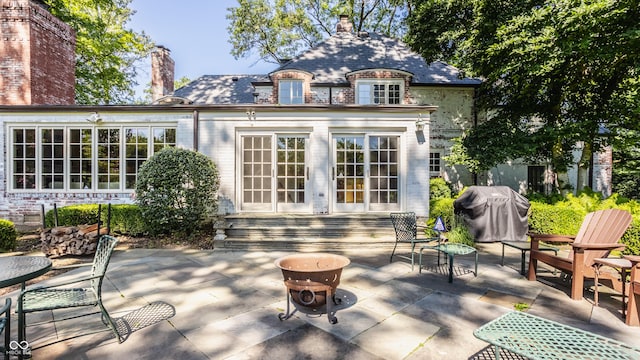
<point x="19" y="348"/>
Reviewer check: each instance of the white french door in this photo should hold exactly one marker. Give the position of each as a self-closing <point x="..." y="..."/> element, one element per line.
<point x="365" y="172"/>
<point x="275" y="173"/>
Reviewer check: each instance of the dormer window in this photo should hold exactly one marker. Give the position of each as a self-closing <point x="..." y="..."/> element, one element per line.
<point x="375" y="92"/>
<point x="291" y="92"/>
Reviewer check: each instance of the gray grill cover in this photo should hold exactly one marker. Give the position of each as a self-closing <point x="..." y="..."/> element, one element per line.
<point x="493" y="213"/>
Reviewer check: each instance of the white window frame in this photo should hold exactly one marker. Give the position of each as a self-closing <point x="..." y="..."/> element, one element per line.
<point x="433" y="156"/>
<point x="366" y="92"/>
<point x="153" y="145"/>
<point x="290" y="92"/>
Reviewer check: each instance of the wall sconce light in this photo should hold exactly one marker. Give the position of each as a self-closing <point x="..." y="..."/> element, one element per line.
<point x="94" y="118"/>
<point x="420" y="123"/>
<point x="251" y="115"/>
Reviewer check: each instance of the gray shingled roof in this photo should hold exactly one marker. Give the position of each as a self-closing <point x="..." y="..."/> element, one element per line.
<point x="343" y="53"/>
<point x="221" y="89"/>
<point x="330" y="62"/>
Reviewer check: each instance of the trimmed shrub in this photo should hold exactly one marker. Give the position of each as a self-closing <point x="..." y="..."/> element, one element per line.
<point x="561" y="218"/>
<point x="631" y="238"/>
<point x="176" y="189"/>
<point x="439" y="189"/>
<point x="74" y="215"/>
<point x="125" y="219"/>
<point x="8" y="235"/>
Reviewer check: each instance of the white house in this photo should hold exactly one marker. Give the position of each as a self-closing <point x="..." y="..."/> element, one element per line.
<point x="358" y="124"/>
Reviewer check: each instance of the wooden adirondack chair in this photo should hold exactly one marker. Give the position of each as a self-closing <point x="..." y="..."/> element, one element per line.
<point x="599" y="234"/>
<point x="633" y="306"/>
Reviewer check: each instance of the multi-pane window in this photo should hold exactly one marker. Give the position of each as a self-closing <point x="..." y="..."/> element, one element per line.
<point x="108" y="159"/>
<point x="71" y="158"/>
<point x="80" y="158"/>
<point x="162" y="138"/>
<point x="24" y="159"/>
<point x="52" y="158"/>
<point x="290" y="92"/>
<point x="379" y="92"/>
<point x="435" y="164"/>
<point x="137" y="151"/>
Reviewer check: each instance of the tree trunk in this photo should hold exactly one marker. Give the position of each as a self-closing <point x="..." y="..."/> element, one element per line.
<point x="583" y="166"/>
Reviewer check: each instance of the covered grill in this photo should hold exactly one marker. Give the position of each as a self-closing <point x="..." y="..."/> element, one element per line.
<point x="493" y="213"/>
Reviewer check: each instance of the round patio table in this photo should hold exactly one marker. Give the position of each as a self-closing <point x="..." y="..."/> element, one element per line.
<point x="19" y="269"/>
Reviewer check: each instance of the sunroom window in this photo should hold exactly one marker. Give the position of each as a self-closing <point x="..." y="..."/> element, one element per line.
<point x="81" y="159"/>
<point x="374" y="92"/>
<point x="291" y="92"/>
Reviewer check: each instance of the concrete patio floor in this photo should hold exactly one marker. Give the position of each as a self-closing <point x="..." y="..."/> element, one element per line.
<point x="189" y="304"/>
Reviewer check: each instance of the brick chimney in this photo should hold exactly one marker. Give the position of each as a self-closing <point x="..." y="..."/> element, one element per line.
<point x="37" y="55"/>
<point x="344" y="25"/>
<point x="162" y="72"/>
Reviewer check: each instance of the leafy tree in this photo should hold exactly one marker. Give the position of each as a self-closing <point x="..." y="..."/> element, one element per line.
<point x="280" y="29"/>
<point x="177" y="84"/>
<point x="106" y="51"/>
<point x="558" y="74"/>
<point x="626" y="169"/>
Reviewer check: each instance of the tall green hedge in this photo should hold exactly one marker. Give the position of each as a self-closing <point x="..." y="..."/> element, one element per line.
<point x="560" y="218"/>
<point x="563" y="216"/>
<point x="8" y="235"/>
<point x="125" y="219"/>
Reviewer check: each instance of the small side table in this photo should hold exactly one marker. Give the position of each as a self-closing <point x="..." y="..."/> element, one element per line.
<point x="623" y="266"/>
<point x="452" y="249"/>
<point x="524" y="246"/>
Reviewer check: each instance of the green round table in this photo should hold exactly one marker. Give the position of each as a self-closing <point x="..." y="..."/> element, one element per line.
<point x="19" y="269"/>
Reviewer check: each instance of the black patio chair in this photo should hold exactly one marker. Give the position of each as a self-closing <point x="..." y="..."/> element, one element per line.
<point x="406" y="229"/>
<point x="60" y="296"/>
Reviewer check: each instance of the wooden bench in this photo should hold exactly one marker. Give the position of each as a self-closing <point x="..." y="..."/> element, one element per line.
<point x="538" y="338"/>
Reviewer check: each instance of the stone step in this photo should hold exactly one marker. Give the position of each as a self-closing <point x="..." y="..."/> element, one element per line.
<point x="305" y="244"/>
<point x="307" y="232"/>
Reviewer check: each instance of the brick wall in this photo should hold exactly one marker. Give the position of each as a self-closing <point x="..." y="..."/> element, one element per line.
<point x="37" y="56"/>
<point x="292" y="75"/>
<point x="162" y="73"/>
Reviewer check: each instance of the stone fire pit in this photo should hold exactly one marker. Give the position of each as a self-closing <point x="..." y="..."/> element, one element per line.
<point x="310" y="279"/>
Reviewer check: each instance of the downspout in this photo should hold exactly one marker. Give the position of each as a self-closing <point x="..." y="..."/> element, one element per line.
<point x="196" y="129"/>
<point x="474" y="175"/>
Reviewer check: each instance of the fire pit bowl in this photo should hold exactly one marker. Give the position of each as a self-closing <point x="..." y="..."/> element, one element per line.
<point x="310" y="279"/>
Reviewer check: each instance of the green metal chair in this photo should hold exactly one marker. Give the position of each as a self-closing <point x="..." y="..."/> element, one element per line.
<point x="5" y="324"/>
<point x="60" y="296"/>
<point x="406" y="228"/>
